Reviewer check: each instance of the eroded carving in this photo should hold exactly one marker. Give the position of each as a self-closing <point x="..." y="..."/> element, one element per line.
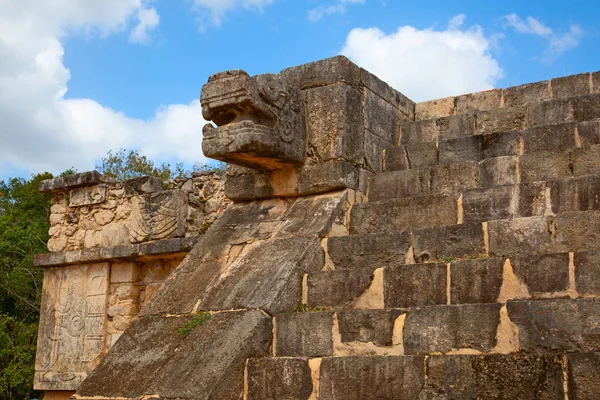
<point x="72" y="319"/>
<point x="85" y="196"/>
<point x="260" y="121"/>
<point x="157" y="216"/>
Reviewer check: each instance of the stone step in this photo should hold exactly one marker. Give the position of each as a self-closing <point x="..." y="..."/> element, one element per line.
<point x="515" y="117"/>
<point x="553" y="138"/>
<point x="393" y="284"/>
<point x="525" y="325"/>
<point x="499" y="376"/>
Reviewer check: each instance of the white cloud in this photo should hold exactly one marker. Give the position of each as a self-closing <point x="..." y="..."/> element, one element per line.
<point x="148" y="20"/>
<point x="212" y="12"/>
<point x="339" y="7"/>
<point x="40" y="128"/>
<point x="427" y="64"/>
<point x="557" y="43"/>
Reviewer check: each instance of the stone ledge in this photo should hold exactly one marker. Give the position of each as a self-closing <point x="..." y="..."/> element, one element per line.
<point x="121" y="253"/>
<point x="88" y="178"/>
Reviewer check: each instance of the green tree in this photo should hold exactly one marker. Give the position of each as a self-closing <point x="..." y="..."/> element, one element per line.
<point x="124" y="165"/>
<point x="17" y="358"/>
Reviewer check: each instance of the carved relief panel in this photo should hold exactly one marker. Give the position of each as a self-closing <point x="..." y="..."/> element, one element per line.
<point x="158" y="216"/>
<point x="72" y="319"/>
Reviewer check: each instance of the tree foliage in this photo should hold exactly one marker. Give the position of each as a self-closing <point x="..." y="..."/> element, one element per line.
<point x="124" y="165"/>
<point x="17" y="358"/>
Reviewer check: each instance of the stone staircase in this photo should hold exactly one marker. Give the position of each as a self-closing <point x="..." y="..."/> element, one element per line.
<point x="472" y="271"/>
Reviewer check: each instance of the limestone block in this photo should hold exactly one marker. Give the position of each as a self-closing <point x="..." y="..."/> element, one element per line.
<point x="501" y="120"/>
<point x="577" y="231"/>
<point x="159" y="215"/>
<point x="416" y="155"/>
<point x="323" y="72"/>
<point x="58" y="208"/>
<point x="122" y="322"/>
<point x="368" y="326"/>
<point x="455" y="241"/>
<point x="334" y="122"/>
<point x="374" y="377"/>
<point x="466" y="326"/>
<point x="279" y="378"/>
<point x="124" y="272"/>
<point x="57" y="244"/>
<point x="589" y="132"/>
<point x="530" y="199"/>
<point x="113" y="235"/>
<point x="550" y="113"/>
<point x="142" y="185"/>
<point x="500" y="144"/>
<point x="476" y="281"/>
<point x="339" y="288"/>
<point x="418" y="132"/>
<point x="327" y="177"/>
<point x="151" y="358"/>
<point x="396" y="159"/>
<point x="479" y="101"/>
<point x="558" y="325"/>
<point x="375" y="149"/>
<point x="586" y="161"/>
<point x="71" y="333"/>
<point x="468" y="148"/>
<point x="570" y="86"/>
<point x="434" y="109"/>
<point x="394" y="184"/>
<point x="400" y="214"/>
<point x="543" y="273"/>
<point x="498" y="171"/>
<point x="381" y="117"/>
<point x="526" y="94"/>
<point x="453" y="178"/>
<point x="487" y="204"/>
<point x="87" y="195"/>
<point x="371" y="251"/>
<point x="595" y="82"/>
<point x="511" y="376"/>
<point x="544" y="166"/>
<point x="56" y="219"/>
<point x="104" y="217"/>
<point x="583" y="375"/>
<point x="304" y="334"/>
<point x="587" y="273"/>
<point x="456" y="126"/>
<point x="586" y="108"/>
<point x="575" y="194"/>
<point x="415" y="285"/>
<point x="520" y="236"/>
<point x="555" y="138"/>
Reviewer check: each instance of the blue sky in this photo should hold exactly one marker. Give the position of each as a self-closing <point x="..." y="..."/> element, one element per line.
<point x="80" y="78"/>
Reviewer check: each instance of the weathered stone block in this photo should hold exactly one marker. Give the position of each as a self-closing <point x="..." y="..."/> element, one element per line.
<point x="455" y="241"/>
<point x="570" y="86"/>
<point x="487" y="204"/>
<point x="87" y="178"/>
<point x="434" y="109"/>
<point x="476" y="281"/>
<point x="513" y="376"/>
<point x="124" y="272"/>
<point x="526" y="94"/>
<point x="375" y="149"/>
<point x="556" y="138"/>
<point x="304" y="334"/>
<point x="520" y="236"/>
<point x="583" y="376"/>
<point x="374" y="326"/>
<point x="88" y="195"/>
<point x="395" y="159"/>
<point x="371" y="377"/>
<point x="531" y="199"/>
<point x="587" y="273"/>
<point x="544" y="166"/>
<point x="400" y="214"/>
<point x="577" y="231"/>
<point x="479" y="101"/>
<point x="323" y="72"/>
<point x="543" y="273"/>
<point x="158" y="215"/>
<point x="327" y="177"/>
<point x="596" y="82"/>
<point x="465" y="326"/>
<point x="453" y="178"/>
<point x="456" y="126"/>
<point x="145" y="184"/>
<point x="586" y="108"/>
<point x="334" y="122"/>
<point x="370" y="251"/>
<point x="418" y="131"/>
<point x="576" y="194"/>
<point x="267" y="276"/>
<point x="461" y="149"/>
<point x="501" y="120"/>
<point x="279" y="378"/>
<point x="395" y="184"/>
<point x="415" y="285"/>
<point x="411" y="156"/>
<point x="381" y="117"/>
<point x="586" y="161"/>
<point x="498" y="171"/>
<point x="500" y="144"/>
<point x="560" y="325"/>
<point x="339" y="288"/>
<point x="550" y="113"/>
<point x="589" y="132"/>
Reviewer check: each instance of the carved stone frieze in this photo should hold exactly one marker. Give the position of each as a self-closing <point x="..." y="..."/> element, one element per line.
<point x="157" y="216"/>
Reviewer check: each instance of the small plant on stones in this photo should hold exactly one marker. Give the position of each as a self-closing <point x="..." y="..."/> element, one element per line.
<point x="305" y="308"/>
<point x="197" y="320"/>
<point x="446" y="259"/>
